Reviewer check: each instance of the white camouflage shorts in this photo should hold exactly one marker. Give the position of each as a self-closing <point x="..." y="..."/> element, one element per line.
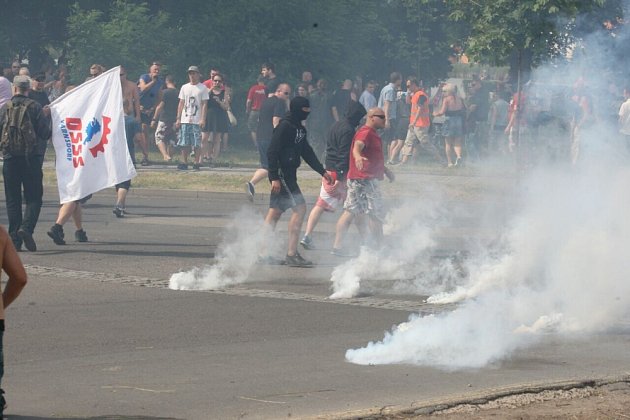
<point x="164" y="132"/>
<point x="364" y="197"/>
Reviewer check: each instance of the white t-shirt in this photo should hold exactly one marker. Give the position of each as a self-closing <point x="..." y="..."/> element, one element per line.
<point x="624" y="118"/>
<point x="193" y="96"/>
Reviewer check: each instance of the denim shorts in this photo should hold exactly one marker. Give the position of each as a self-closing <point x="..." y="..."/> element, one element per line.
<point x="263" y="148"/>
<point x="189" y="136"/>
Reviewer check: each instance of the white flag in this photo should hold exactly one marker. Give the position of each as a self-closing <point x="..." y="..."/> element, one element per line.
<point x="89" y="138"/>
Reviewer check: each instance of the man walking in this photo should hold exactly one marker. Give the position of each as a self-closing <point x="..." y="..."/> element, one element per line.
<point x="287" y="149"/>
<point x="131" y="109"/>
<point x="387" y="102"/>
<point x="25" y="127"/>
<point x="271" y="111"/>
<point x="337" y="160"/>
<point x="367" y="167"/>
<point x="419" y="123"/>
<point x="164" y="119"/>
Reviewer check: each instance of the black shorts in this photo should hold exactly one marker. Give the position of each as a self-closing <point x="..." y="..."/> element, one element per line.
<point x="289" y="196"/>
<point x="125" y="185"/>
<point x="389" y="134"/>
<point x="84" y="199"/>
<point x="146" y="117"/>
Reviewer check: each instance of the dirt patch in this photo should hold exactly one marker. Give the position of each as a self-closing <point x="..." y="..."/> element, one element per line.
<point x="610" y="401"/>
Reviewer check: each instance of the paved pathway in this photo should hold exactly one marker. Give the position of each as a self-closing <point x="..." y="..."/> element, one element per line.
<point x="97" y="333"/>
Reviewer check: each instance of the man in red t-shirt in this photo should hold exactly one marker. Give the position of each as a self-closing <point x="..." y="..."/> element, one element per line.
<point x="255" y="97"/>
<point x="367" y="168"/>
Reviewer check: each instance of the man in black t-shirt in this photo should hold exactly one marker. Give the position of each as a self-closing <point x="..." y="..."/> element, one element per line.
<point x="342" y="99"/>
<point x="272" y="81"/>
<point x="271" y="111"/>
<point x="164" y="119"/>
<point x="37" y="90"/>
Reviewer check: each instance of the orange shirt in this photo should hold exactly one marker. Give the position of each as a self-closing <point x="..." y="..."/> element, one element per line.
<point x="420" y="112"/>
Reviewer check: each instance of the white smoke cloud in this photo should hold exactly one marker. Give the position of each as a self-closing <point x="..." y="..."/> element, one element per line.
<point x="404" y="266"/>
<point x="565" y="270"/>
<point x="561" y="266"/>
<point x="235" y="258"/>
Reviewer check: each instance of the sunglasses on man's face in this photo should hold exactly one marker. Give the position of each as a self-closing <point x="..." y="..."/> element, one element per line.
<point x="382" y="117"/>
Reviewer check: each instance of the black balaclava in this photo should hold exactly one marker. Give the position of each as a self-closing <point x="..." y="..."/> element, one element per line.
<point x="295" y="109"/>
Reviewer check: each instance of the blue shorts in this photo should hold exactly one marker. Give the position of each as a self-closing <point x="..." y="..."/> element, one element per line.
<point x="263" y="148"/>
<point x="189" y="136"/>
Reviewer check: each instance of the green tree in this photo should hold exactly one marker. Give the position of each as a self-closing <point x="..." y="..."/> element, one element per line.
<point x="128" y="33"/>
<point x="527" y="32"/>
<point x="414" y="38"/>
<point x="33" y="29"/>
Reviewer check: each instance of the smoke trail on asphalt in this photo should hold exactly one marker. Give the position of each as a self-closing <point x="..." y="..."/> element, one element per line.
<point x="404" y="265"/>
<point x="234" y="260"/>
<point x="565" y="271"/>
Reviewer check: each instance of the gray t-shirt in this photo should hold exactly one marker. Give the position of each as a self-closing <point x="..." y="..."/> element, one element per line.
<point x="388" y="93"/>
<point x="501" y="109"/>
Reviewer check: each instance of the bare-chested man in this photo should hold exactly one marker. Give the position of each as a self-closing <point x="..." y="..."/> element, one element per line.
<point x="131" y="107"/>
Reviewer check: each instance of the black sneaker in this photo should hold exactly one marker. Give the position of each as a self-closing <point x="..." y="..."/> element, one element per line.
<point x="144" y="162"/>
<point x="249" y="187"/>
<point x="3" y="403"/>
<point x="269" y="260"/>
<point x="56" y="233"/>
<point x="80" y="236"/>
<point x="196" y="167"/>
<point x="27" y="240"/>
<point x="182" y="167"/>
<point x="297" y="261"/>
<point x="307" y="242"/>
<point x="118" y="212"/>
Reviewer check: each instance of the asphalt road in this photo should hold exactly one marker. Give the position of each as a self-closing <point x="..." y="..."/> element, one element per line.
<point x="97" y="334"/>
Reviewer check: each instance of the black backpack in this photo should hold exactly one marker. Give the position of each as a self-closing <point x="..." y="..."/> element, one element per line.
<point x="18" y="134"/>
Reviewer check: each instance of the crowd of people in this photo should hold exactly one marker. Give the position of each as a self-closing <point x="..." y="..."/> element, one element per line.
<point x="469" y="120"/>
<point x="450" y="124"/>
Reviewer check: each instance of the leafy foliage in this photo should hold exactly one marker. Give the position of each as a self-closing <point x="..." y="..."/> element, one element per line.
<point x="127" y="35"/>
<point x="333" y="39"/>
<point x="542" y="29"/>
